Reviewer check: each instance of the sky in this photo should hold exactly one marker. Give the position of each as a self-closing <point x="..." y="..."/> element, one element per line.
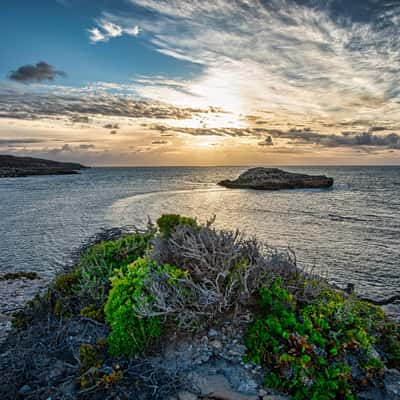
<point x="211" y="82"/>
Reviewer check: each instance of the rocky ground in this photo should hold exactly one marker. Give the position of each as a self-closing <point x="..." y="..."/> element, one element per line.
<point x="59" y="354"/>
<point x="208" y="365"/>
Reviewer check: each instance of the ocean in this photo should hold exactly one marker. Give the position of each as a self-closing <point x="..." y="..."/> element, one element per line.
<point x="350" y="233"/>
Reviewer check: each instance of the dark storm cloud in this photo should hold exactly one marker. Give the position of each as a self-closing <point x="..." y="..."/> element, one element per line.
<point x="35" y="73"/>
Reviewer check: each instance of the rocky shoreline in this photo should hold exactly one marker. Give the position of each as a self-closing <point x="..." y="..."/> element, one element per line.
<point x="12" y="166"/>
<point x="276" y="179"/>
<point x="72" y="341"/>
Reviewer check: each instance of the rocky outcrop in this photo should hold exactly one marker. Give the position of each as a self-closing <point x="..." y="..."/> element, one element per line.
<point x="12" y="166"/>
<point x="275" y="179"/>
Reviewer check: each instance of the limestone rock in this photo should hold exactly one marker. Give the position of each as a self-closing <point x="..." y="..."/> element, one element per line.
<point x="275" y="179"/>
<point x="392" y="384"/>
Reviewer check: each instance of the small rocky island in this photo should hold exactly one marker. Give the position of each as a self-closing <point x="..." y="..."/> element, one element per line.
<point x="275" y="179"/>
<point x="12" y="166"/>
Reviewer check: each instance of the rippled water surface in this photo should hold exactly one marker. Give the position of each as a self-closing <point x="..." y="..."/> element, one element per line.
<point x="350" y="232"/>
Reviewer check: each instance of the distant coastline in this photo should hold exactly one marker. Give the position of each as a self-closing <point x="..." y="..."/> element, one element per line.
<point x="12" y="166"/>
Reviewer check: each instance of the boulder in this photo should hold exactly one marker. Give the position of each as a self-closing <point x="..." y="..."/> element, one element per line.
<point x="275" y="179"/>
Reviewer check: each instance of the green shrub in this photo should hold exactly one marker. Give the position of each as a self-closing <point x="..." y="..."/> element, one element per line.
<point x="168" y="222"/>
<point x="305" y="345"/>
<point x="389" y="342"/>
<point x="100" y="261"/>
<point x="130" y="332"/>
<point x="89" y="357"/>
<point x="92" y="312"/>
<point x="61" y="294"/>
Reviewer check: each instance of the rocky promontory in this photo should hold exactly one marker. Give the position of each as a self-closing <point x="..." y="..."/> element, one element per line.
<point x="12" y="166"/>
<point x="274" y="179"/>
<point x="185" y="311"/>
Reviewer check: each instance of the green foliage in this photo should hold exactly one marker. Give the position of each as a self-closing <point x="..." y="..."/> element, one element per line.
<point x="20" y="319"/>
<point x="373" y="367"/>
<point x="100" y="262"/>
<point x="89" y="357"/>
<point x="66" y="283"/>
<point x="92" y="312"/>
<point x="389" y="342"/>
<point x="130" y="332"/>
<point x="305" y="345"/>
<point x="60" y="294"/>
<point x="11" y="276"/>
<point x="112" y="378"/>
<point x="168" y="222"/>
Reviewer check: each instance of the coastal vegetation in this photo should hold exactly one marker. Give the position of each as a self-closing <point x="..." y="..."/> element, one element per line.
<point x="128" y="296"/>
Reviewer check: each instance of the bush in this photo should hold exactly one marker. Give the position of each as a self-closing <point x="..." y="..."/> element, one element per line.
<point x="131" y="333"/>
<point x="88" y="357"/>
<point x="168" y="222"/>
<point x="308" y="346"/>
<point x="389" y="342"/>
<point x="100" y="261"/>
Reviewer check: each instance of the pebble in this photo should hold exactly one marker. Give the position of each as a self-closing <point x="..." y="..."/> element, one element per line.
<point x="25" y="390"/>
<point x="216" y="344"/>
<point x="184" y="395"/>
<point x="212" y="333"/>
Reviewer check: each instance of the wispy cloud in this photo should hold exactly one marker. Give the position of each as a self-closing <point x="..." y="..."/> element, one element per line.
<point x="295" y="58"/>
<point x="19" y="142"/>
<point x="106" y="30"/>
<point x="79" y="108"/>
<point x="295" y="137"/>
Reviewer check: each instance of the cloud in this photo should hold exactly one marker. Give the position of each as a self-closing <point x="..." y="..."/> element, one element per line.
<point x="67" y="148"/>
<point x="299" y="58"/>
<point x="266" y="142"/>
<point x="159" y="142"/>
<point x="294" y="136"/>
<point x="228" y="131"/>
<point x="106" y="30"/>
<point x="35" y="73"/>
<point x="80" y="118"/>
<point x="111" y="126"/>
<point x="79" y="107"/>
<point x="345" y="139"/>
<point x="85" y="146"/>
<point x="19" y="142"/>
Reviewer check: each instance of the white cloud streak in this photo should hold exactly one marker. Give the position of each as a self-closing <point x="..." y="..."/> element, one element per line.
<point x="285" y="57"/>
<point x="106" y="30"/>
